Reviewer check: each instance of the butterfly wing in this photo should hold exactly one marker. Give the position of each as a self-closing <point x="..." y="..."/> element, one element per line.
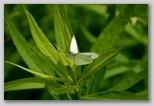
<point x="90" y="54"/>
<point x="81" y="59"/>
<point x="73" y="46"/>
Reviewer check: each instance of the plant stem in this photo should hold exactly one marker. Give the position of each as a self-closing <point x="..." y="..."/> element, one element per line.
<point x="76" y="92"/>
<point x="69" y="97"/>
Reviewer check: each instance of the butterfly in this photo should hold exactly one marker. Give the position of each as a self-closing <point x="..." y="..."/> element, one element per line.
<point x="80" y="58"/>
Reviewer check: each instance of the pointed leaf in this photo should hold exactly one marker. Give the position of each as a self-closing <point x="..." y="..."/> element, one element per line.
<point x="42" y="42"/>
<point x="35" y="60"/>
<point x="22" y="84"/>
<point x="111" y="33"/>
<point x="46" y="47"/>
<point x="42" y="76"/>
<point x="96" y="80"/>
<point x="129" y="81"/>
<point x="97" y="64"/>
<point x="115" y="95"/>
<point x="63" y="28"/>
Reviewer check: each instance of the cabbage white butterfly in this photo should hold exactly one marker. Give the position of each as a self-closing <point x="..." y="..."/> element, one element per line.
<point x="80" y="58"/>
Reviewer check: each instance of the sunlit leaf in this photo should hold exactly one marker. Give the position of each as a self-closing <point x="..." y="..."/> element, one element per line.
<point x="23" y="84"/>
<point x="63" y="29"/>
<point x="115" y="95"/>
<point x="42" y="76"/>
<point x="35" y="60"/>
<point x="42" y="42"/>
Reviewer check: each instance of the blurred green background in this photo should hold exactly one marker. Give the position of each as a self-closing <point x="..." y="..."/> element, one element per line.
<point x="87" y="21"/>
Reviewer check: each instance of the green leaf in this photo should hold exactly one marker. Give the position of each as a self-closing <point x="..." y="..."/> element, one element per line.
<point x="93" y="83"/>
<point x="64" y="71"/>
<point x="111" y="15"/>
<point x="46" y="47"/>
<point x="111" y="33"/>
<point x="98" y="64"/>
<point x="105" y="42"/>
<point x="35" y="60"/>
<point x="62" y="27"/>
<point x="60" y="89"/>
<point x="129" y="81"/>
<point x="96" y="80"/>
<point x="42" y="76"/>
<point x="115" y="95"/>
<point x="41" y="41"/>
<point x="25" y="83"/>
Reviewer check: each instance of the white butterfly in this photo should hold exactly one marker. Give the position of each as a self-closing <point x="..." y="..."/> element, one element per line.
<point x="80" y="58"/>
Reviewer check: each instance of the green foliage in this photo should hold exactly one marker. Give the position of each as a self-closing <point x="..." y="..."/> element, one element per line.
<point x="53" y="71"/>
<point x="25" y="83"/>
<point x="111" y="33"/>
<point x="99" y="63"/>
<point x="124" y="85"/>
<point x="41" y="41"/>
<point x="63" y="30"/>
<point x="115" y="95"/>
